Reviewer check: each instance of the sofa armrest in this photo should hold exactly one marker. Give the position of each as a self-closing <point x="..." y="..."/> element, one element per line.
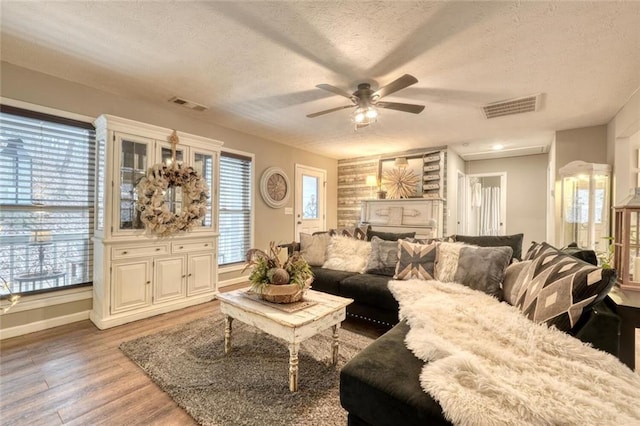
<point x="600" y="326"/>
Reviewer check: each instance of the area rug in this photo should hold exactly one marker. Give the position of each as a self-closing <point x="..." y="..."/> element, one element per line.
<point x="249" y="386"/>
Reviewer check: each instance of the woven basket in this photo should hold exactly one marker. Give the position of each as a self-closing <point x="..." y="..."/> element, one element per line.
<point x="284" y="293"/>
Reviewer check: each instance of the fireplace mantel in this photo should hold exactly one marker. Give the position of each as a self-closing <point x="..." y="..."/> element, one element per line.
<point x="419" y="215"/>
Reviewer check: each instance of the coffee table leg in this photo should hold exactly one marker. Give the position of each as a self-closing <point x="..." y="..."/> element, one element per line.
<point x="334" y="344"/>
<point x="293" y="366"/>
<point x="227" y="333"/>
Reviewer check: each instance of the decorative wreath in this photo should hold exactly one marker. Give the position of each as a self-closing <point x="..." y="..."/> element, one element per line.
<point x="154" y="210"/>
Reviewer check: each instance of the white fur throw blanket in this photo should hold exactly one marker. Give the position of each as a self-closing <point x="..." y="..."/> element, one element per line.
<point x="490" y="365"/>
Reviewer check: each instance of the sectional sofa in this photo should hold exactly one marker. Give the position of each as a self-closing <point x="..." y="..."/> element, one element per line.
<point x="380" y="385"/>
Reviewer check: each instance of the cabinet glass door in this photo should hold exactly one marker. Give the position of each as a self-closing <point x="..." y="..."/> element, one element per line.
<point x="204" y="164"/>
<point x="173" y="195"/>
<point x="165" y="154"/>
<point x="133" y="166"/>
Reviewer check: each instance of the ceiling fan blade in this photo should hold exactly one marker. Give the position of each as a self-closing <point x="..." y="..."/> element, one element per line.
<point x="399" y="84"/>
<point x="412" y="108"/>
<point x="327" y="111"/>
<point x="334" y="89"/>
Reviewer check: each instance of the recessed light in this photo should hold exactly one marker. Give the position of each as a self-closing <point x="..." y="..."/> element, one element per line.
<point x="497" y="147"/>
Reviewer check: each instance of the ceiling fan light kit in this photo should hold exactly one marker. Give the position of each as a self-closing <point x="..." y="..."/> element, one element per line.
<point x="366" y="102"/>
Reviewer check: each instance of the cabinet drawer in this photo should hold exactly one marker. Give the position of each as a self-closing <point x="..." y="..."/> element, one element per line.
<point x="191" y="246"/>
<point x="139" y="251"/>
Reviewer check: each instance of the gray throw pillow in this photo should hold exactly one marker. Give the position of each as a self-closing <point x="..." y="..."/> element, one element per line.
<point x="383" y="258"/>
<point x="479" y="268"/>
<point x="313" y="248"/>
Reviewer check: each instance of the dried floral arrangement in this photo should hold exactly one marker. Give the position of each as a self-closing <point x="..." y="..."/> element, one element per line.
<point x="400" y="183"/>
<point x="269" y="269"/>
<point x="155" y="212"/>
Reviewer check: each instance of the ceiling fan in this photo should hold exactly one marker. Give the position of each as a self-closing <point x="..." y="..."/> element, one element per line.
<point x="366" y="101"/>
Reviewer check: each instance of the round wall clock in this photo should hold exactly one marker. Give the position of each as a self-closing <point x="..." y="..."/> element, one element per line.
<point x="275" y="187"/>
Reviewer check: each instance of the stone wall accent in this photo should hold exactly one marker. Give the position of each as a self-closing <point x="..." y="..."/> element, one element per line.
<point x="352" y="187"/>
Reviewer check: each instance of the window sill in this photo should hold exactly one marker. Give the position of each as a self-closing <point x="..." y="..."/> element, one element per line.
<point x="43" y="300"/>
<point x="231" y="268"/>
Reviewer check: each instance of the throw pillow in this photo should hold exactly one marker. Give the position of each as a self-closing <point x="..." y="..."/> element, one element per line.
<point x="480" y="268"/>
<point x="537" y="249"/>
<point x="383" y="258"/>
<point x="313" y="248"/>
<point x="558" y="287"/>
<point x="357" y="232"/>
<point x="415" y="260"/>
<point x="347" y="254"/>
<point x="513" y="241"/>
<point x="514" y="279"/>
<point x="389" y="236"/>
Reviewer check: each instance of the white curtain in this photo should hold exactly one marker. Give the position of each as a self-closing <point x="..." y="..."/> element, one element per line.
<point x="488" y="212"/>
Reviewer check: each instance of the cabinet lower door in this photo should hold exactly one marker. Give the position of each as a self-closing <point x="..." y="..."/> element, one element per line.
<point x="169" y="279"/>
<point x="201" y="273"/>
<point x="131" y="284"/>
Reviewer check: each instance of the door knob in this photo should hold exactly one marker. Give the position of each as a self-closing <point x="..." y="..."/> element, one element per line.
<point x="299" y="223"/>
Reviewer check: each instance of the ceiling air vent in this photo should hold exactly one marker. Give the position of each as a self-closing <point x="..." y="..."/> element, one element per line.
<point x="188" y="104"/>
<point x="512" y="106"/>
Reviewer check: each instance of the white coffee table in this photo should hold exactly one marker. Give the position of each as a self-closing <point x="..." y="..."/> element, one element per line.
<point x="292" y="327"/>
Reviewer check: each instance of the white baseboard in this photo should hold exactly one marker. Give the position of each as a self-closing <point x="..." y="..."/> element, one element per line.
<point x="32" y="327"/>
<point x="109" y="321"/>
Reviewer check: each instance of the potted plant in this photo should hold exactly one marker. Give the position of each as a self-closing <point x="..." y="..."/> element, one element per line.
<point x="276" y="280"/>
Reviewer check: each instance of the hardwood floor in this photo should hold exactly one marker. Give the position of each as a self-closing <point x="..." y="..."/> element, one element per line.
<point x="75" y="374"/>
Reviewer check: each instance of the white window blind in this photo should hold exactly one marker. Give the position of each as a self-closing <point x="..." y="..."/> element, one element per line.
<point x="235" y="208"/>
<point x="47" y="167"/>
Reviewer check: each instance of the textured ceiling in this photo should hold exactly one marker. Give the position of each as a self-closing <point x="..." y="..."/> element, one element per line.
<point x="255" y="64"/>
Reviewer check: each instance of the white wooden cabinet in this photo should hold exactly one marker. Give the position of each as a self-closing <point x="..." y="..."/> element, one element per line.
<point x="130" y="282"/>
<point x="138" y="274"/>
<point x="169" y="278"/>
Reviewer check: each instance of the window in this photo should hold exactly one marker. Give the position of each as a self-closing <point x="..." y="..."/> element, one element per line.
<point x="235" y="208"/>
<point x="47" y="188"/>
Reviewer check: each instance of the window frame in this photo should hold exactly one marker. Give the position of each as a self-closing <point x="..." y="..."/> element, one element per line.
<point x="237" y="266"/>
<point x="49" y="296"/>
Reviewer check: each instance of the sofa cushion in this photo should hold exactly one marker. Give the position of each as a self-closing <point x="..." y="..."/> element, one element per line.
<point x="328" y="280"/>
<point x="559" y="287"/>
<point x="381" y="384"/>
<point x="415" y="261"/>
<point x="357" y="232"/>
<point x="513" y="241"/>
<point x="480" y="268"/>
<point x="383" y="257"/>
<point x="389" y="236"/>
<point x="313" y="248"/>
<point x="369" y="289"/>
<point x="347" y="254"/>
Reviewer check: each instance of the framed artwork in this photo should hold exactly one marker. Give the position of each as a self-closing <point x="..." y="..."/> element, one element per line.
<point x="402" y="182"/>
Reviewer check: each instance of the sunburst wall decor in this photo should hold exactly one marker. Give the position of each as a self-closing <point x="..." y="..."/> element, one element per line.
<point x="400" y="183"/>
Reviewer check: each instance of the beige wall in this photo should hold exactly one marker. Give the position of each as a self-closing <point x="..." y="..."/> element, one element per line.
<point x="623" y="141"/>
<point x="587" y="144"/>
<point x="270" y="224"/>
<point x="455" y="164"/>
<point x="526" y="193"/>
